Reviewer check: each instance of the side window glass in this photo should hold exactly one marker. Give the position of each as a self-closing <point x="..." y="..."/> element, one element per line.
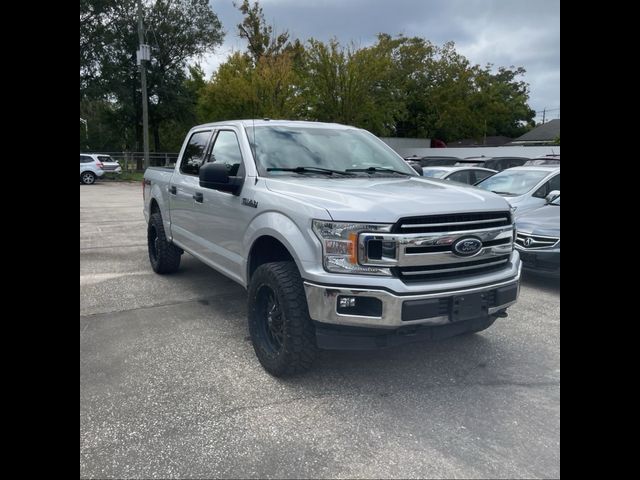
<point x="194" y="153"/>
<point x="226" y="150"/>
<point x="480" y="175"/>
<point x="554" y="183"/>
<point x="85" y="159"/>
<point x="462" y="177"/>
<point x="542" y="191"/>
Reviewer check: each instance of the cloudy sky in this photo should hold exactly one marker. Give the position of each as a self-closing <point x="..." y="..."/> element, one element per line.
<point x="503" y="32"/>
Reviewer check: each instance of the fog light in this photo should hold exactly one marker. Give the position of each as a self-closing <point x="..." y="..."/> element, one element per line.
<point x="347" y="302"/>
<point x="364" y="306"/>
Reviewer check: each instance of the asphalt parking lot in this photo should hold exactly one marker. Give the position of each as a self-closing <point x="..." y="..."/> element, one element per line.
<point x="170" y="386"/>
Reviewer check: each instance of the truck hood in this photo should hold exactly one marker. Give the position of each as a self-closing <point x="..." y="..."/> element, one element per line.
<point x="384" y="199"/>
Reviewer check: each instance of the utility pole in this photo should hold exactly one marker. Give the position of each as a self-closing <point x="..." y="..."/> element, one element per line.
<point x="544" y="110"/>
<point x="142" y="55"/>
<point x="484" y="142"/>
<point x="86" y="131"/>
<point x="86" y="127"/>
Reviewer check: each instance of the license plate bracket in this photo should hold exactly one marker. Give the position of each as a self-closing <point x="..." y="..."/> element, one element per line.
<point x="466" y="307"/>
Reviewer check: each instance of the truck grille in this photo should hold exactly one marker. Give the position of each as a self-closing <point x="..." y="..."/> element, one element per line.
<point x="531" y="242"/>
<point x="452" y="223"/>
<point x="422" y="248"/>
<point x="452" y="270"/>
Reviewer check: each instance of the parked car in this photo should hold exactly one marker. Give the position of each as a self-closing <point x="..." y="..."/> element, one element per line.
<point x="494" y="163"/>
<point x="432" y="161"/>
<point x="525" y="188"/>
<point x="415" y="164"/>
<point x="109" y="165"/>
<point x="538" y="237"/>
<point x="550" y="159"/>
<point x="90" y="169"/>
<point x="340" y="244"/>
<point x="468" y="175"/>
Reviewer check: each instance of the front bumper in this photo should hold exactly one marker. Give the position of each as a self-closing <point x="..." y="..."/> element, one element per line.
<point x="541" y="261"/>
<point x="392" y="311"/>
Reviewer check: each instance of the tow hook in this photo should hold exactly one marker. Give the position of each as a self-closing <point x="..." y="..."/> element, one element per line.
<point x="502" y="314"/>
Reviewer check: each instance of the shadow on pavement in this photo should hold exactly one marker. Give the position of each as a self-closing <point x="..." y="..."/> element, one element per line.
<point x="547" y="283"/>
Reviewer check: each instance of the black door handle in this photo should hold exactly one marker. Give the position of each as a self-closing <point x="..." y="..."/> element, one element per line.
<point x="198" y="197"/>
<point x="173" y="190"/>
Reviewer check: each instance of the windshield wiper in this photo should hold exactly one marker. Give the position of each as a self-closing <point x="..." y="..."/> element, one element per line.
<point x="377" y="169"/>
<point x="326" y="171"/>
<point x="502" y="193"/>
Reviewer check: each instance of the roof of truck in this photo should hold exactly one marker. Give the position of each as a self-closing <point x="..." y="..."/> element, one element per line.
<point x="265" y="121"/>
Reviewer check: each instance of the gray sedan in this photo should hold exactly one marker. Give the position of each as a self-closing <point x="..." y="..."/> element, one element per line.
<point x="538" y="237"/>
<point x="468" y="175"/>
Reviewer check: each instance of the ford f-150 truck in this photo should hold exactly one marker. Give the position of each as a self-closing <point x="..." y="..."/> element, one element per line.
<point x="340" y="243"/>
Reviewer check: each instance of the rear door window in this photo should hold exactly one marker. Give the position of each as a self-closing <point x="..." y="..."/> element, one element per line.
<point x="480" y="175"/>
<point x="462" y="177"/>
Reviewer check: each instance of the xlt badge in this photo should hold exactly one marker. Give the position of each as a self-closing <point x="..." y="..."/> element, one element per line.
<point x="249" y="203"/>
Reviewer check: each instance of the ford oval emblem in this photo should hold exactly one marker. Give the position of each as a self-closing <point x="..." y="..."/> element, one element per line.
<point x="467" y="246"/>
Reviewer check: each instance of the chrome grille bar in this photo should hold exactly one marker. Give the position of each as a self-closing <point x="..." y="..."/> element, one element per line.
<point x="455" y="269"/>
<point x="450" y="224"/>
<point x="537" y="241"/>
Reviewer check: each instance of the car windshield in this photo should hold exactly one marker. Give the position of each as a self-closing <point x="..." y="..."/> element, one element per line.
<point x="512" y="182"/>
<point x="434" y="173"/>
<point x="105" y="158"/>
<point x="289" y="150"/>
<point x="543" y="161"/>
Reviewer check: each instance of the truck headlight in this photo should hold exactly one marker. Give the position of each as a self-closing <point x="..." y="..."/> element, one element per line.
<point x="340" y="246"/>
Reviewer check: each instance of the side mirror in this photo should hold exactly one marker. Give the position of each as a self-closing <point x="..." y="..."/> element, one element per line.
<point x="552" y="195"/>
<point x="216" y="176"/>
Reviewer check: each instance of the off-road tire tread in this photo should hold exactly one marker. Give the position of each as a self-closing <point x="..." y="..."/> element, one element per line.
<point x="168" y="255"/>
<point x="300" y="339"/>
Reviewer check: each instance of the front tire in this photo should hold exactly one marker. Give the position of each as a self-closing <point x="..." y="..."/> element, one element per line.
<point x="281" y="330"/>
<point x="163" y="255"/>
<point x="88" y="178"/>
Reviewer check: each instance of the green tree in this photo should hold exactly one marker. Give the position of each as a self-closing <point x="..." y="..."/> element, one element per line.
<point x="260" y="37"/>
<point x="501" y="101"/>
<point x="263" y="82"/>
<point x="350" y="85"/>
<point x="177" y="31"/>
<point x="230" y="93"/>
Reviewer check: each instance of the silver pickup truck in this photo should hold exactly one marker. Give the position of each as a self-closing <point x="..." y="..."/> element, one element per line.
<point x="340" y="243"/>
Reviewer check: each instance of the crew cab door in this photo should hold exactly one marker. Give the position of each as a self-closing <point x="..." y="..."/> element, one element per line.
<point x="182" y="187"/>
<point x="221" y="218"/>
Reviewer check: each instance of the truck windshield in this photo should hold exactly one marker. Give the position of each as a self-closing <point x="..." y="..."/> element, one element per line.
<point x="283" y="150"/>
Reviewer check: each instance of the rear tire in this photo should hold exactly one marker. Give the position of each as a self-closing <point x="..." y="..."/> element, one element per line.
<point x="163" y="255"/>
<point x="88" y="178"/>
<point x="281" y="330"/>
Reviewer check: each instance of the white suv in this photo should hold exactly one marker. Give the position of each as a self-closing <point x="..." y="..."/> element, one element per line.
<point x="90" y="169"/>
